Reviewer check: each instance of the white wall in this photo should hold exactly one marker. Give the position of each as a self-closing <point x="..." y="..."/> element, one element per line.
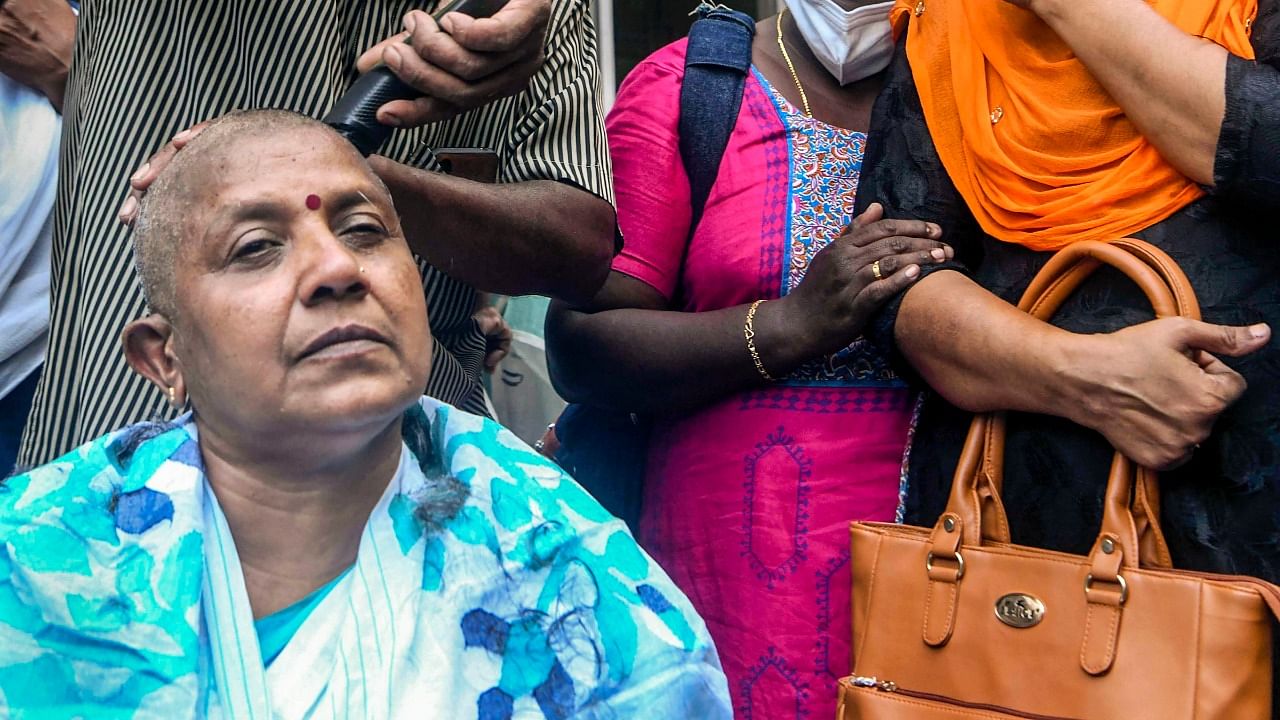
<point x="603" y="10"/>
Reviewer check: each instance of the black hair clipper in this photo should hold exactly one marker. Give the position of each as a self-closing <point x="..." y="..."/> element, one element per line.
<point x="354" y="116"/>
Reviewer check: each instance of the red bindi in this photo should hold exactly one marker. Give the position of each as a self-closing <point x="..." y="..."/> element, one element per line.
<point x="313" y="202"/>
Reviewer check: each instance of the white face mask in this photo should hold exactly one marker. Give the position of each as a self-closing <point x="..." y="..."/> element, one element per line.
<point x="850" y="44"/>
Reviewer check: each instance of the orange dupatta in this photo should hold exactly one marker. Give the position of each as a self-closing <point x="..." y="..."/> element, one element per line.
<point x="1040" y="152"/>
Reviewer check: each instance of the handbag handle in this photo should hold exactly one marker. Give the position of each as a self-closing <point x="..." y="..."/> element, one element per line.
<point x="1131" y="516"/>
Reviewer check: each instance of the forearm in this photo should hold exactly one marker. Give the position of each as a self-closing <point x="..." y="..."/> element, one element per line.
<point x="530" y="238"/>
<point x="979" y="352"/>
<point x="658" y="361"/>
<point x="1153" y="389"/>
<point x="1169" y="83"/>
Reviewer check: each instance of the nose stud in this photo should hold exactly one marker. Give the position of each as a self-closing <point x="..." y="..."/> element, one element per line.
<point x="361" y="269"/>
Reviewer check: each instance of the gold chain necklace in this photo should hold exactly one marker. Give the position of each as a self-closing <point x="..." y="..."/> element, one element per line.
<point x="804" y="99"/>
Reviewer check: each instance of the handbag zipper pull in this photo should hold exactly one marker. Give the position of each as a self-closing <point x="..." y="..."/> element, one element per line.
<point x="872" y="682"/>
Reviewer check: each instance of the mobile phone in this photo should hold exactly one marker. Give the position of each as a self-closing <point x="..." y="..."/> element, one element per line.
<point x="479" y="164"/>
<point x="354" y="116"/>
<point x="474" y="8"/>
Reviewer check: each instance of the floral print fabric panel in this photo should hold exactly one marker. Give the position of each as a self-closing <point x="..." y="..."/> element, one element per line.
<point x="529" y="602"/>
<point x="99" y="583"/>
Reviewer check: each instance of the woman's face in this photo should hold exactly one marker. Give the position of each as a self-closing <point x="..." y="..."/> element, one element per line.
<point x="298" y="302"/>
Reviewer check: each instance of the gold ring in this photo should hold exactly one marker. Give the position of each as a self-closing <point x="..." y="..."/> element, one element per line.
<point x="875" y="270"/>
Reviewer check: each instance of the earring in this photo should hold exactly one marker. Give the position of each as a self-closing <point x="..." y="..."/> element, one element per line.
<point x="173" y="396"/>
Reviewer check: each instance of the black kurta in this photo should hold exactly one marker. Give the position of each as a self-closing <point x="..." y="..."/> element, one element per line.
<point x="1221" y="511"/>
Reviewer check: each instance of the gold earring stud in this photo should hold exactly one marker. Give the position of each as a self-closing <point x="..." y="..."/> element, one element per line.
<point x="173" y="396"/>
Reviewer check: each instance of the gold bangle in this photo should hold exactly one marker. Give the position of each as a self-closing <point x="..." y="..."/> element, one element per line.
<point x="749" y="332"/>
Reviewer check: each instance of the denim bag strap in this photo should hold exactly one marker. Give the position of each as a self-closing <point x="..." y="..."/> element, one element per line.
<point x="715" y="73"/>
<point x="605" y="450"/>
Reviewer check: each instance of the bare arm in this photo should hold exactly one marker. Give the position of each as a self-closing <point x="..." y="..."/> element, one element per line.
<point x="1169" y="83"/>
<point x="641" y="358"/>
<point x="1153" y="389"/>
<point x="629" y="353"/>
<point x="540" y="237"/>
<point x="534" y="237"/>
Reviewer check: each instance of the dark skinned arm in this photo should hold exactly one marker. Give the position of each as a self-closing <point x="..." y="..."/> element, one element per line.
<point x="642" y="358"/>
<point x="531" y="238"/>
<point x="1153" y="389"/>
<point x="627" y="352"/>
<point x="538" y="237"/>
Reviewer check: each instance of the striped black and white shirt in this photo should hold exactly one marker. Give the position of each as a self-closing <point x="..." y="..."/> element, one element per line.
<point x="146" y="69"/>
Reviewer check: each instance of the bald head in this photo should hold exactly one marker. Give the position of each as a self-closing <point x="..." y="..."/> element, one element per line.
<point x="286" y="300"/>
<point x="165" y="214"/>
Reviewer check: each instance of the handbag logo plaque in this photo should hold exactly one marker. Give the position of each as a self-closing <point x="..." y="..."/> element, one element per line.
<point x="1019" y="610"/>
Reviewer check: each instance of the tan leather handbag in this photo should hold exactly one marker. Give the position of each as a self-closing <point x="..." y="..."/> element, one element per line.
<point x="957" y="622"/>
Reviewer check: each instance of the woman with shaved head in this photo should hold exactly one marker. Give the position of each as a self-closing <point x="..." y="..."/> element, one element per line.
<point x="314" y="539"/>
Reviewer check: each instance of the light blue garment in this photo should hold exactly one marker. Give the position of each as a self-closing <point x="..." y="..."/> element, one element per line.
<point x="277" y="629"/>
<point x="121" y="596"/>
<point x="29" y="133"/>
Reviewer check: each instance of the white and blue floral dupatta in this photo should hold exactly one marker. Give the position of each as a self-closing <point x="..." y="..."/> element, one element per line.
<point x="121" y="596"/>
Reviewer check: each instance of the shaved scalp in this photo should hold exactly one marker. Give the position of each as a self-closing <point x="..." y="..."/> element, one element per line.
<point x="161" y="225"/>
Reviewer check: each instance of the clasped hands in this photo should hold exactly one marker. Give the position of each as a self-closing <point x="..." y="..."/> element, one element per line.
<point x="850" y="278"/>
